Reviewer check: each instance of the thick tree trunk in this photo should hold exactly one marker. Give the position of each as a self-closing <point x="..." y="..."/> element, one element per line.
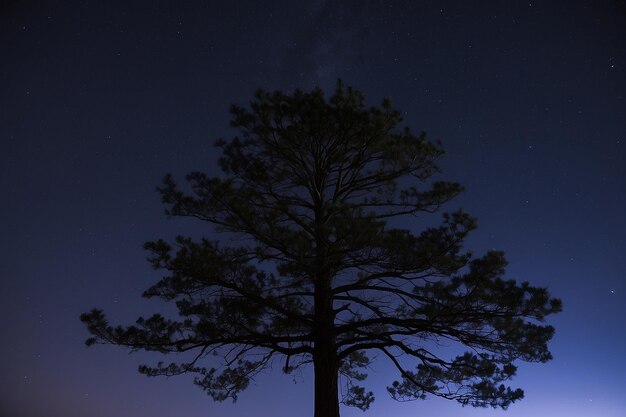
<point x="326" y="389"/>
<point x="325" y="352"/>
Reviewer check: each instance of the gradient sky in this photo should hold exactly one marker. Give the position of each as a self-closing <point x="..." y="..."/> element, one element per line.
<point x="100" y="99"/>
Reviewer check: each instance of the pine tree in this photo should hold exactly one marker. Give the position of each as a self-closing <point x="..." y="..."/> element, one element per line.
<point x="322" y="275"/>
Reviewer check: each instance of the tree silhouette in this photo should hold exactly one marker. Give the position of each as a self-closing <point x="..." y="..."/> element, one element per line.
<point x="315" y="189"/>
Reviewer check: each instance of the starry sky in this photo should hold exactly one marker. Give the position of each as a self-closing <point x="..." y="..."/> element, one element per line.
<point x="100" y="99"/>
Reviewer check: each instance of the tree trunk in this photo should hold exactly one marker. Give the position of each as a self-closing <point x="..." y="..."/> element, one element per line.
<point x="325" y="352"/>
<point x="326" y="389"/>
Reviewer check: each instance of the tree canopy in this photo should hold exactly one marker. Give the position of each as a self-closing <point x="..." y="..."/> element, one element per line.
<point x="315" y="189"/>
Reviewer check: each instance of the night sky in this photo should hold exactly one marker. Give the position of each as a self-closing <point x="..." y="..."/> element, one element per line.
<point x="101" y="99"/>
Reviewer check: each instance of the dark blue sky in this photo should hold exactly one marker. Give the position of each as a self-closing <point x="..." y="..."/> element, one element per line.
<point x="100" y="99"/>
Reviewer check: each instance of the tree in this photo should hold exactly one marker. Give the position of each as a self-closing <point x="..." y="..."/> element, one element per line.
<point x="321" y="274"/>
